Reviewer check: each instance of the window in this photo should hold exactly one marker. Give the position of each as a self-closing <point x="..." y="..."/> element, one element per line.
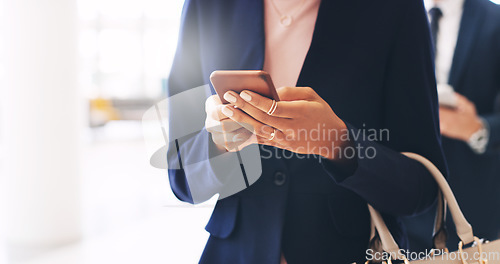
<point x="126" y="47"/>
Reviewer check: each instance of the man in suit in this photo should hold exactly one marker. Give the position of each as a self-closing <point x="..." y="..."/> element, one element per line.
<point x="466" y="34"/>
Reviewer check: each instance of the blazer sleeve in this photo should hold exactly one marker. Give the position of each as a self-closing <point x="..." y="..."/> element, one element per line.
<point x="195" y="183"/>
<point x="197" y="170"/>
<point x="391" y="182"/>
<point x="185" y="74"/>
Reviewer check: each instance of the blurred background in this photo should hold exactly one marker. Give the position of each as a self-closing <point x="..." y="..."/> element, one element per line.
<point x="75" y="181"/>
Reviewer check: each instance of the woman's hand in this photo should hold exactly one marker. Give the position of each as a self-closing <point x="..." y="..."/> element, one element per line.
<point x="302" y="122"/>
<point x="227" y="134"/>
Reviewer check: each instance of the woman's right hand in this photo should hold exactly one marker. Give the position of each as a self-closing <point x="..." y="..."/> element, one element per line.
<point x="227" y="134"/>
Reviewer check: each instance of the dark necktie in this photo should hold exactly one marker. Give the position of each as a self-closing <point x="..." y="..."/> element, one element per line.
<point x="436" y="15"/>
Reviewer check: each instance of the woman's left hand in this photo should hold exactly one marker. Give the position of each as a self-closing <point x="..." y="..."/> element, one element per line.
<point x="302" y="121"/>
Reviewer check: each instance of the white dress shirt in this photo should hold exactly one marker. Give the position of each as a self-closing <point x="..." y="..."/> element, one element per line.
<point x="449" y="25"/>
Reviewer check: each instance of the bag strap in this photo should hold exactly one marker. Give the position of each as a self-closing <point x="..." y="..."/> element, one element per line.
<point x="387" y="242"/>
<point x="440" y="234"/>
<point x="464" y="229"/>
<point x="446" y="197"/>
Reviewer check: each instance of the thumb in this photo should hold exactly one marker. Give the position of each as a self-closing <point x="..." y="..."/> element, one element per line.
<point x="296" y="93"/>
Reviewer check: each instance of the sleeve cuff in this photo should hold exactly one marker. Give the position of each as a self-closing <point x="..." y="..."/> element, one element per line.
<point x="492" y="124"/>
<point x="337" y="173"/>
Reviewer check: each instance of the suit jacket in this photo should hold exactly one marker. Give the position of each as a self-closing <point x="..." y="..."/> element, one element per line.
<point x="475" y="179"/>
<point x="372" y="62"/>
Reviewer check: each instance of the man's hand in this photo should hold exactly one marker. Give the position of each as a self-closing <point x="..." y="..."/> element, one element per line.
<point x="460" y="122"/>
<point x="465" y="105"/>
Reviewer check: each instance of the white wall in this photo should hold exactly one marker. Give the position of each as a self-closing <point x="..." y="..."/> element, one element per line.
<point x="40" y="123"/>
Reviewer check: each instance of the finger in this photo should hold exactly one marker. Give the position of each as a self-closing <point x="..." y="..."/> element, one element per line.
<point x="446" y="117"/>
<point x="275" y="142"/>
<point x="254" y="112"/>
<point x="283" y="109"/>
<point x="213" y="106"/>
<point x="461" y="100"/>
<point x="225" y="126"/>
<point x="212" y="125"/>
<point x="229" y="125"/>
<point x="241" y="135"/>
<point x="216" y="98"/>
<point x="464" y="101"/>
<point x="443" y="110"/>
<point x="247" y="140"/>
<point x="237" y="141"/>
<point x="296" y="93"/>
<point x="461" y="97"/>
<point x="231" y="140"/>
<point x="278" y="141"/>
<point x="211" y="102"/>
<point x="254" y="139"/>
<point x="217" y="113"/>
<point x="245" y="120"/>
<point x="236" y="138"/>
<point x="442" y="115"/>
<point x="218" y="139"/>
<point x="444" y="128"/>
<point x="230" y="111"/>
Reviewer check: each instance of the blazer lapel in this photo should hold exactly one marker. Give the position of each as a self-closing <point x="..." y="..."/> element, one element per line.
<point x="326" y="25"/>
<point x="470" y="26"/>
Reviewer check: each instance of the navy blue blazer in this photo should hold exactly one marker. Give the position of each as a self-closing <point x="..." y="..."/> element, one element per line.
<point x="372" y="62"/>
<point x="475" y="179"/>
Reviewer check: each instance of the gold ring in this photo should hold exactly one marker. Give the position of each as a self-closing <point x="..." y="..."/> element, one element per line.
<point x="273" y="135"/>
<point x="273" y="108"/>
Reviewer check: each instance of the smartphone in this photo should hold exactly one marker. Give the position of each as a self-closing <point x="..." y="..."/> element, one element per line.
<point x="237" y="81"/>
<point x="446" y="96"/>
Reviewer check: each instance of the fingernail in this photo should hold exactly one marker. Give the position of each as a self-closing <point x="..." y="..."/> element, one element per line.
<point x="226" y="110"/>
<point x="229" y="97"/>
<point x="246" y="96"/>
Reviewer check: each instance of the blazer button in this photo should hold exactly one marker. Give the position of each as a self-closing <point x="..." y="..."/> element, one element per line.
<point x="279" y="178"/>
